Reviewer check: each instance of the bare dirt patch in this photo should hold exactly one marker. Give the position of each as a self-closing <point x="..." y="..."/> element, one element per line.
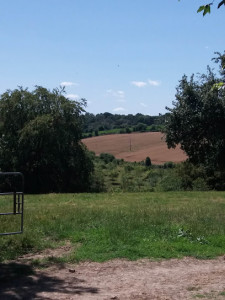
<point x="136" y="147"/>
<point x="55" y="252"/>
<point x="186" y="278"/>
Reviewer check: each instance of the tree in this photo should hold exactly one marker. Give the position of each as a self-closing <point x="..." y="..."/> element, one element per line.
<point x="148" y="162"/>
<point x="40" y="133"/>
<point x="197" y="121"/>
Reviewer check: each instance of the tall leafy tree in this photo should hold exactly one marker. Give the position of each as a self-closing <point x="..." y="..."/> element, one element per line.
<point x="40" y="133"/>
<point x="197" y="121"/>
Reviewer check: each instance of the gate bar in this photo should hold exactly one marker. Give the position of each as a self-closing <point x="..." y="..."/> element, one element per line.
<point x="18" y="201"/>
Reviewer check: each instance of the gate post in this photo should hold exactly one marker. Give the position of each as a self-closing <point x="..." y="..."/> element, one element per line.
<point x="17" y="193"/>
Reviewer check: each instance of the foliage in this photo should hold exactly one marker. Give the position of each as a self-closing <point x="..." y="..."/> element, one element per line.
<point x="197" y="122"/>
<point x="206" y="9"/>
<point x="148" y="162"/>
<point x="191" y="176"/>
<point x="40" y="134"/>
<point x="140" y="127"/>
<point x="221" y="60"/>
<point x="107" y="123"/>
<point x="170" y="182"/>
<point x="169" y="165"/>
<point x="116" y="175"/>
<point x="200" y="184"/>
<point x="107" y="157"/>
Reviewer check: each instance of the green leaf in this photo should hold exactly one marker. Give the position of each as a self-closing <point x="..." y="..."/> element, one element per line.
<point x="206" y="10"/>
<point x="221" y="3"/>
<point x="201" y="8"/>
<point x="218" y="86"/>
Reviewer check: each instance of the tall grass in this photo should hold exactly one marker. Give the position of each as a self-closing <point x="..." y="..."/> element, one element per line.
<point x="123" y="225"/>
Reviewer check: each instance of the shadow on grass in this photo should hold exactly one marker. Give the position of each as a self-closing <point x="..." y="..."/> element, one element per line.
<point x="21" y="281"/>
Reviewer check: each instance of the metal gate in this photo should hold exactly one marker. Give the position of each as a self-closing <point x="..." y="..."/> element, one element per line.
<point x="12" y="191"/>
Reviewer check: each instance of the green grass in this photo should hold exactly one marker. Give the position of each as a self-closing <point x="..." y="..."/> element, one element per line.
<point x="120" y="225"/>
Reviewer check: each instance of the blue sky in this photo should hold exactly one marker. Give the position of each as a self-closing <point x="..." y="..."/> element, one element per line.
<point x="123" y="56"/>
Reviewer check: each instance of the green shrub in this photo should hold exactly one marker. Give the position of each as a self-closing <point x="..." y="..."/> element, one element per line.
<point x="170" y="183"/>
<point x="200" y="184"/>
<point x="148" y="162"/>
<point x="169" y="165"/>
<point x="107" y="157"/>
<point x="128" y="168"/>
<point x="122" y="130"/>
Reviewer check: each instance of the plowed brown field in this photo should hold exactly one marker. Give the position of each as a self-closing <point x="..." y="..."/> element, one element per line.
<point x="136" y="147"/>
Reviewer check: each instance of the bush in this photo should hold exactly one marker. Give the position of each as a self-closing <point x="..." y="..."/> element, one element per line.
<point x="148" y="162"/>
<point x="169" y="165"/>
<point x="200" y="184"/>
<point x="107" y="157"/>
<point x="128" y="168"/>
<point x="122" y="130"/>
<point x="140" y="127"/>
<point x="169" y="183"/>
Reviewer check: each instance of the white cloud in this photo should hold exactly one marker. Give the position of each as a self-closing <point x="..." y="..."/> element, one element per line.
<point x="72" y="96"/>
<point x="68" y="83"/>
<point x="154" y="82"/>
<point x="120" y="94"/>
<point x="116" y="94"/>
<point x="143" y="104"/>
<point x="119" y="109"/>
<point x="139" y="83"/>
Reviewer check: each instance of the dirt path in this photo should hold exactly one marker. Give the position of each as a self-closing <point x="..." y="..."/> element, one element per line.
<point x="118" y="279"/>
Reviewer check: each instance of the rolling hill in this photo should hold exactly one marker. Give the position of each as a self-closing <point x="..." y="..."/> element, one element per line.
<point x="136" y="147"/>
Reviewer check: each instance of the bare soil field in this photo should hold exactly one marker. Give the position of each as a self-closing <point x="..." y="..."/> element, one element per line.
<point x="136" y="147"/>
<point x="174" y="279"/>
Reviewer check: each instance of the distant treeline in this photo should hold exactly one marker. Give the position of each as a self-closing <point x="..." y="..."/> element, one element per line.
<point x="127" y="123"/>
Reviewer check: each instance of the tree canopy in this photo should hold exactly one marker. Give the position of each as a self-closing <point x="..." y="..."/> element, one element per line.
<point x="107" y="121"/>
<point x="197" y="120"/>
<point x="40" y="134"/>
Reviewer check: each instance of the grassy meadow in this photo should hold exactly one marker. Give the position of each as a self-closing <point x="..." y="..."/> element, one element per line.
<point x="119" y="225"/>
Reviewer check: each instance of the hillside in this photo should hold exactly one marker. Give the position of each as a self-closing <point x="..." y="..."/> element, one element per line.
<point x="135" y="147"/>
<point x="133" y="123"/>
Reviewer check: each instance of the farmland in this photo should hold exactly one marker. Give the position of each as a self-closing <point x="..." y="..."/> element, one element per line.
<point x="135" y="147"/>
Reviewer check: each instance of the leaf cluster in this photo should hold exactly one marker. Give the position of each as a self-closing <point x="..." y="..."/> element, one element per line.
<point x="206" y="9"/>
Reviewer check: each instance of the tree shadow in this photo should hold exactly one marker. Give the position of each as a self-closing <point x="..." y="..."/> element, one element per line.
<point x="21" y="281"/>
